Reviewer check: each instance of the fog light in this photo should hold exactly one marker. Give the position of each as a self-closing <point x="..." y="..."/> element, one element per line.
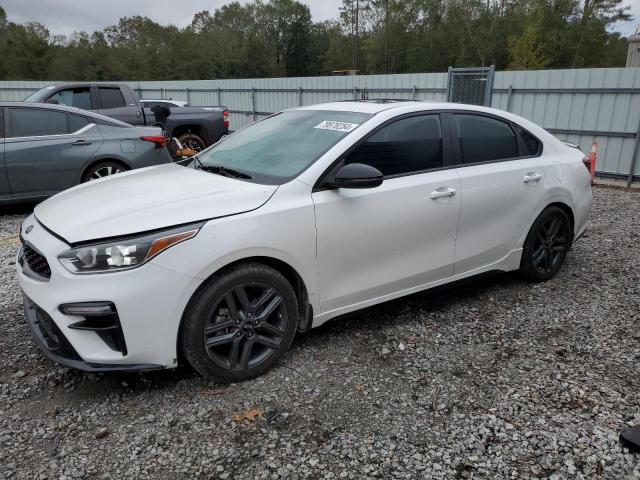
<point x="88" y="309"/>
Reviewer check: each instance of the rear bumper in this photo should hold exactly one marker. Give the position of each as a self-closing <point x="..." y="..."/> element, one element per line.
<point x="55" y="345"/>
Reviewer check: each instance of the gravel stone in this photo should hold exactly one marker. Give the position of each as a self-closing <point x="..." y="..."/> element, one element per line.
<point x="498" y="379"/>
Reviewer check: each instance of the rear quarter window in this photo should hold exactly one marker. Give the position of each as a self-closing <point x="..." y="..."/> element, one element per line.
<point x="532" y="144"/>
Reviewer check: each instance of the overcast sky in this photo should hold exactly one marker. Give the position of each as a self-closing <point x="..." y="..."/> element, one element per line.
<point x="66" y="16"/>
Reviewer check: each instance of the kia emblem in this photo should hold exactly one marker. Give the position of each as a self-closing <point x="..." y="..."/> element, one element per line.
<point x="29" y="228"/>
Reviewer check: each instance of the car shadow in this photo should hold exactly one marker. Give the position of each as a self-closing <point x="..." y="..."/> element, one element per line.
<point x="17" y="209"/>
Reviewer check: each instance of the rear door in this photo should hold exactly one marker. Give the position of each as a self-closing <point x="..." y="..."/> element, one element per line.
<point x="113" y="103"/>
<point x="45" y="150"/>
<point x="502" y="185"/>
<point x="379" y="241"/>
<point x="5" y="192"/>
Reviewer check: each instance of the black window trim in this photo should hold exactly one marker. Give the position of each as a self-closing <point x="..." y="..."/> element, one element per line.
<point x="2" y="130"/>
<point x="447" y="152"/>
<point x="455" y="139"/>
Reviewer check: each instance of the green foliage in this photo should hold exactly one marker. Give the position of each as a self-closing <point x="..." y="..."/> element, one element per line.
<point x="278" y="38"/>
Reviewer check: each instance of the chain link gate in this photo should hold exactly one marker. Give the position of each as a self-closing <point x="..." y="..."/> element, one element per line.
<point x="470" y="85"/>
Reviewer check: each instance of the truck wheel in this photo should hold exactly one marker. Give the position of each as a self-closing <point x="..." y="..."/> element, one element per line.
<point x="192" y="141"/>
<point x="103" y="169"/>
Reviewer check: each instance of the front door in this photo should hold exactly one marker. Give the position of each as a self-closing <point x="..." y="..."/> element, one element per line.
<point x="373" y="243"/>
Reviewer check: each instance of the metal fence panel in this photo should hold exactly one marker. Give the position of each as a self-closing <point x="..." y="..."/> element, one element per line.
<point x="581" y="105"/>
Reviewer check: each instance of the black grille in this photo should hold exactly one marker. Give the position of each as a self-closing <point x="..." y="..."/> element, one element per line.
<point x="36" y="262"/>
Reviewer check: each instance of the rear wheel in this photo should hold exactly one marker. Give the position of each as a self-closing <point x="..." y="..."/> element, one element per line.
<point x="103" y="169"/>
<point x="240" y="323"/>
<point x="192" y="141"/>
<point x="546" y="245"/>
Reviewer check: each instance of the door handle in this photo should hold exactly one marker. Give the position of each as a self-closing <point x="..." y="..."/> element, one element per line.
<point x="442" y="192"/>
<point x="81" y="143"/>
<point x="532" y="177"/>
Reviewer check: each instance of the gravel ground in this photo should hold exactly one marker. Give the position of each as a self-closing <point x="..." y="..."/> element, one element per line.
<point x="493" y="378"/>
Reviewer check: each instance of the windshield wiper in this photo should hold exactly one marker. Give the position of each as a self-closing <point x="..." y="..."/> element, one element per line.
<point x="226" y="171"/>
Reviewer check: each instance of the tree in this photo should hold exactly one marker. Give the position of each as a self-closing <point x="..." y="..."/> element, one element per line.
<point x="266" y="38"/>
<point x="526" y="52"/>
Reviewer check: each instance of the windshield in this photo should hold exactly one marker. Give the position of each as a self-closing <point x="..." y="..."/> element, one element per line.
<point x="278" y="148"/>
<point x="38" y="95"/>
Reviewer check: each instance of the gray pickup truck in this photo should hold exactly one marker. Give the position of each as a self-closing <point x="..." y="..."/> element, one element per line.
<point x="195" y="127"/>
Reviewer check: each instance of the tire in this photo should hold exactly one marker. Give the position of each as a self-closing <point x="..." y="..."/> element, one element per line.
<point x="103" y="169"/>
<point x="223" y="336"/>
<point x="192" y="141"/>
<point x="547" y="245"/>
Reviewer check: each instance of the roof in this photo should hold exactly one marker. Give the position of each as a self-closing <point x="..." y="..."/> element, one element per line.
<point x="354" y="106"/>
<point x="373" y="106"/>
<point x="64" y="108"/>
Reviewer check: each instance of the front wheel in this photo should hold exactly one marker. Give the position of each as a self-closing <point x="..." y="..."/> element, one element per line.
<point x="546" y="245"/>
<point x="239" y="324"/>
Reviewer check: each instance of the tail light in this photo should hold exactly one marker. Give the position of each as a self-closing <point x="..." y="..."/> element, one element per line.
<point x="225" y="119"/>
<point x="159" y="140"/>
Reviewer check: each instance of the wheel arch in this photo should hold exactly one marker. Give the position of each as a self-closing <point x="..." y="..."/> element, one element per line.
<point x="557" y="202"/>
<point x="198" y="130"/>
<point x="567" y="209"/>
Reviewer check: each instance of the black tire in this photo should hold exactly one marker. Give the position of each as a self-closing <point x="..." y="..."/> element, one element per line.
<point x="103" y="169"/>
<point x="192" y="141"/>
<point x="547" y="245"/>
<point x="223" y="336"/>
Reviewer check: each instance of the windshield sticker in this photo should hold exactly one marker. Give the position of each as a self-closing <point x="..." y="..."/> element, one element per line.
<point x="337" y="126"/>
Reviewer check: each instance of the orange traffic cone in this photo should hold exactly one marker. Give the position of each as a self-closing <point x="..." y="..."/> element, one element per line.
<point x="592" y="160"/>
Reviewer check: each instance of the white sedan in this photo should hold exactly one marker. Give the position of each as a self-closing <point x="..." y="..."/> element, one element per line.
<point x="296" y="219"/>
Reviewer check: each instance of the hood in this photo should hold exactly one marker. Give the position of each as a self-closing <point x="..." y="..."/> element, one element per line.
<point x="147" y="199"/>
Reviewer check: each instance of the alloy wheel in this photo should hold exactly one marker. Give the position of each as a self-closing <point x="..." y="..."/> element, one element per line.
<point x="246" y="326"/>
<point x="551" y="244"/>
<point x="192" y="143"/>
<point x="104" y="172"/>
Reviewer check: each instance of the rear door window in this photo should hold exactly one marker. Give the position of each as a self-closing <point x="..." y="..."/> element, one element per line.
<point x="35" y="122"/>
<point x="77" y="122"/>
<point x="485" y="139"/>
<point x="110" y="98"/>
<point x="408" y="145"/>
<point x="74" y="97"/>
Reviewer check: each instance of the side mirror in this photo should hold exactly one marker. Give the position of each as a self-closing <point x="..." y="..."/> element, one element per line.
<point x="356" y="175"/>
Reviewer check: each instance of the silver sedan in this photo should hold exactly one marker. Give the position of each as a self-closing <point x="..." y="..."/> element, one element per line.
<point x="47" y="148"/>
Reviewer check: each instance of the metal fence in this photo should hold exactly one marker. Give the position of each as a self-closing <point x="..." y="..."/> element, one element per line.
<point x="581" y="106"/>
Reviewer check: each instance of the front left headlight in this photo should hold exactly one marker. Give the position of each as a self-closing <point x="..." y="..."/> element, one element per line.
<point x="124" y="253"/>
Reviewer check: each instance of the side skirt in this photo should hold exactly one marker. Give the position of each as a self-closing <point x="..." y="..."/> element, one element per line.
<point x="507" y="264"/>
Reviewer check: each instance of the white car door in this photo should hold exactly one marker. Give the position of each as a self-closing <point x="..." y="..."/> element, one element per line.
<point x="372" y="243"/>
<point x="502" y="185"/>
